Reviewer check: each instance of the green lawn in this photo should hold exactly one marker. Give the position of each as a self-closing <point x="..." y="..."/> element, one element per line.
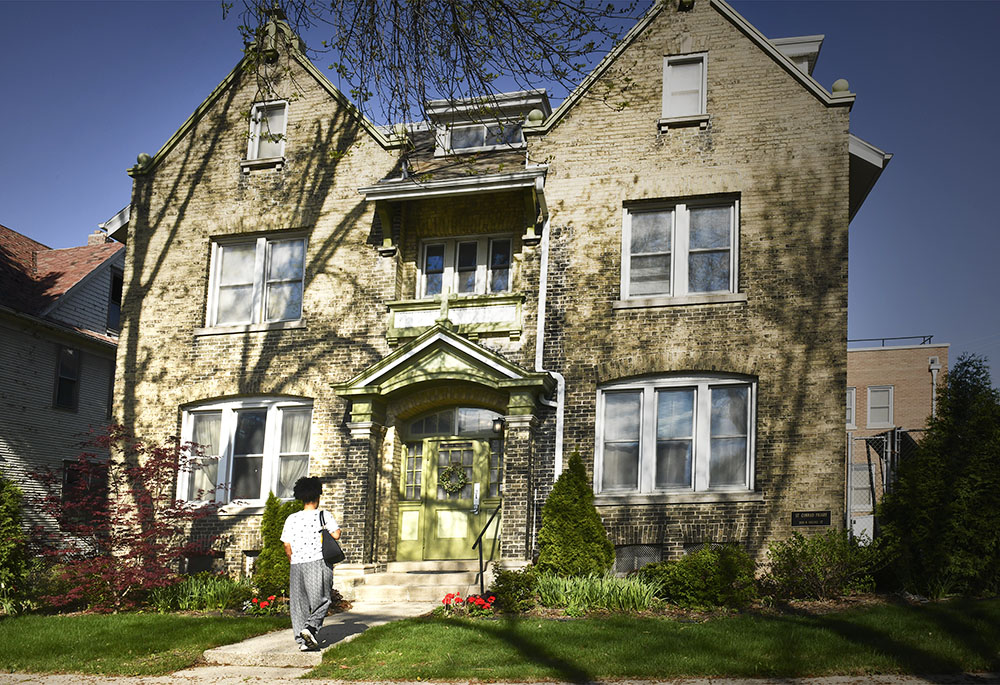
<point x="119" y="644"/>
<point x="936" y="638"/>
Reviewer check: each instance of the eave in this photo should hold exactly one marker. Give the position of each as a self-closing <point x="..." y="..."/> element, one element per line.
<point x="867" y="163"/>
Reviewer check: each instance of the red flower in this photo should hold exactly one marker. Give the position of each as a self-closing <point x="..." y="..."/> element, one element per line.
<point x="264" y="604"/>
<point x="271" y="598"/>
<point x="458" y="600"/>
<point x="255" y="600"/>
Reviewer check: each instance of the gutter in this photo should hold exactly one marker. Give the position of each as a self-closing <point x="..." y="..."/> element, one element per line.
<point x="559" y="404"/>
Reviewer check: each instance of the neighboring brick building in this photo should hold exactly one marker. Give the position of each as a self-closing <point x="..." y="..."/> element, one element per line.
<point x="59" y="320"/>
<point x="662" y="288"/>
<point x="891" y="392"/>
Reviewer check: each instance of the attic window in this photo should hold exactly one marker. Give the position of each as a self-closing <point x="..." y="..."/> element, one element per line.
<point x="684" y="86"/>
<point x="482" y="137"/>
<point x="267" y="130"/>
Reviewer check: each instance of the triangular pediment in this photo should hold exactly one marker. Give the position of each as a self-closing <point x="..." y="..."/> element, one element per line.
<point x="439" y="356"/>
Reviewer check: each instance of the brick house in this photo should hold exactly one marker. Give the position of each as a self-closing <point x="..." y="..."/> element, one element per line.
<point x="395" y="309"/>
<point x="891" y="393"/>
<point x="59" y="321"/>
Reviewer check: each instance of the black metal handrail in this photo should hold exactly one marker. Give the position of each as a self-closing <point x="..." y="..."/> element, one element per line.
<point x="479" y="544"/>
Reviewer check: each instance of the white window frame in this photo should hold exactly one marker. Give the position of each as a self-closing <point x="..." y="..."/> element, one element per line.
<point x="669" y="61"/>
<point x="870" y="423"/>
<point x="679" y="242"/>
<point x="449" y="278"/>
<point x="258" y="313"/>
<point x="227" y="436"/>
<point x="852" y="407"/>
<point x="256" y="125"/>
<point x="444" y="138"/>
<point x="702" y="432"/>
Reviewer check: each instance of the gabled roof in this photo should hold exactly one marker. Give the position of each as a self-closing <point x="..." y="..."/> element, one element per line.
<point x="807" y="81"/>
<point x="33" y="277"/>
<point x="294" y="50"/>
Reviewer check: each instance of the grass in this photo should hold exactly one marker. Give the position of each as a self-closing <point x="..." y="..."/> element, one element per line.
<point x="951" y="637"/>
<point x="119" y="644"/>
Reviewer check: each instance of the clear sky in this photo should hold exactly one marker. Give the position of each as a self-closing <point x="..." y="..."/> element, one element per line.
<point x="89" y="85"/>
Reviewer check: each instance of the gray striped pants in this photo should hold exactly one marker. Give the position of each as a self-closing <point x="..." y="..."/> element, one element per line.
<point x="309" y="595"/>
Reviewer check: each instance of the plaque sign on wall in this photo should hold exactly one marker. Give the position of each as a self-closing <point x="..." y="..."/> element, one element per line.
<point x="811" y="518"/>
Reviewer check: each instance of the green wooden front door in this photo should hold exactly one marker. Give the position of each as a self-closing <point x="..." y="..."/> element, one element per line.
<point x="435" y="524"/>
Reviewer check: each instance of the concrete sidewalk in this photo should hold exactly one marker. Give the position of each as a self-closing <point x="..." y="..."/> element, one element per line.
<point x="274" y="657"/>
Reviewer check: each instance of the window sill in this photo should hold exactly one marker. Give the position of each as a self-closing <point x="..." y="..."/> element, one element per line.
<point x="251" y="328"/>
<point x="668" y="301"/>
<point x="879" y="426"/>
<point x="617" y="499"/>
<point x="699" y="120"/>
<point x="442" y="152"/>
<point x="247" y="165"/>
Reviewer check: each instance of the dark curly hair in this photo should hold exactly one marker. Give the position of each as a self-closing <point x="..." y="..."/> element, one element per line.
<point x="308" y="489"/>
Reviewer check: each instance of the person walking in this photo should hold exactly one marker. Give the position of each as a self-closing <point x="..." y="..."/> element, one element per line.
<point x="310" y="578"/>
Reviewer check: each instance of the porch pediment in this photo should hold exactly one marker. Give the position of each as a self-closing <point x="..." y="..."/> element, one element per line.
<point x="438" y="357"/>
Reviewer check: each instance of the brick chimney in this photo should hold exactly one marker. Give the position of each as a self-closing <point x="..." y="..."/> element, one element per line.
<point x="98" y="237"/>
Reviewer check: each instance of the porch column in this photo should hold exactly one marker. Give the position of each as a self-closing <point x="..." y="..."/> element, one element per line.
<point x="515" y="528"/>
<point x="361" y="473"/>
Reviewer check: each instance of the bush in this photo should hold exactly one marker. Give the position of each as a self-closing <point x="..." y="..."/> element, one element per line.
<point x="15" y="562"/>
<point x="821" y="566"/>
<point x="572" y="540"/>
<point x="712" y="576"/>
<point x="270" y="571"/>
<point x="943" y="513"/>
<point x="204" y="591"/>
<point x="514" y="590"/>
<point x="124" y="533"/>
<point x="580" y="594"/>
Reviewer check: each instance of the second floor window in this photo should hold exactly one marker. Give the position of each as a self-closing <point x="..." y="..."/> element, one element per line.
<point x="67" y="391"/>
<point x="467" y="266"/>
<point x="679" y="249"/>
<point x="482" y="137"/>
<point x="267" y="130"/>
<point x="684" y="86"/>
<point x="880" y="406"/>
<point x="115" y="301"/>
<point x="256" y="281"/>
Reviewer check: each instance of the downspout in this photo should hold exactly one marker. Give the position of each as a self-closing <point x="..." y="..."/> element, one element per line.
<point x="559" y="403"/>
<point x="934" y="367"/>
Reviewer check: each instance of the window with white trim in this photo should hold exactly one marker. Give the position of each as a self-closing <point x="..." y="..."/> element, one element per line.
<point x="256" y="281"/>
<point x="684" y="86"/>
<point x="851" y="397"/>
<point x="267" y="130"/>
<point x="679" y="249"/>
<point x="670" y="434"/>
<point x="467" y="266"/>
<point x="879" y="406"/>
<point x="248" y="448"/>
<point x="478" y="137"/>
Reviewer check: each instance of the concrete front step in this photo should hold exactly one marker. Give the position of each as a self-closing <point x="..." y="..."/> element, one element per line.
<point x="378" y="594"/>
<point x="433" y="566"/>
<point x="438" y="578"/>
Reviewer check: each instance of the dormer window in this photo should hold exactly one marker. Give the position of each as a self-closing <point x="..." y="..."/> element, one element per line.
<point x="267" y="130"/>
<point x="481" y="137"/>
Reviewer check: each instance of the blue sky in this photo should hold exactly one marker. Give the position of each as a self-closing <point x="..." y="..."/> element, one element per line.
<point x="89" y="85"/>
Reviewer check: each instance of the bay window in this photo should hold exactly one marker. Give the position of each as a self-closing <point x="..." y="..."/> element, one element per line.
<point x="675" y="434"/>
<point x="248" y="448"/>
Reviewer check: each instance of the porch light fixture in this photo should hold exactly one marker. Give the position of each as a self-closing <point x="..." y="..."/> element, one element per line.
<point x="498" y="424"/>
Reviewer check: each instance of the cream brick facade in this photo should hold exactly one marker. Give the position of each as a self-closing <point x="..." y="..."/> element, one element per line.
<point x="771" y="140"/>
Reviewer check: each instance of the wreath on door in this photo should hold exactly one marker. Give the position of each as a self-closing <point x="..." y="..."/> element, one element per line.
<point x="452" y="478"/>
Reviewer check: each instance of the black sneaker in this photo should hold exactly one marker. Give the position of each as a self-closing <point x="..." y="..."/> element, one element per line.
<point x="309" y="636"/>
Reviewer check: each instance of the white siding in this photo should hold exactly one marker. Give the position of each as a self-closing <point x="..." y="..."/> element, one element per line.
<point x="86" y="306"/>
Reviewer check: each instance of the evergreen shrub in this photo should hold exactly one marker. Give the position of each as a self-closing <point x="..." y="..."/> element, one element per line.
<point x="14" y="558"/>
<point x="514" y="590"/>
<point x="824" y="566"/>
<point x="712" y="576"/>
<point x="572" y="540"/>
<point x="943" y="513"/>
<point x="270" y="571"/>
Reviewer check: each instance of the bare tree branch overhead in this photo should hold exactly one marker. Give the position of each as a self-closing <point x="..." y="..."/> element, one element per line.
<point x="392" y="56"/>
